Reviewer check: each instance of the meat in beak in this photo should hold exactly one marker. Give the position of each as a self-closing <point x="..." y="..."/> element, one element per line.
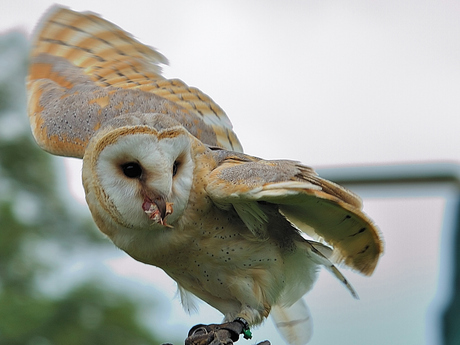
<point x="157" y="210"/>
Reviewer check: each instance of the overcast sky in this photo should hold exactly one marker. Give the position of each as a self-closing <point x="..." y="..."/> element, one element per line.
<point x="327" y="83"/>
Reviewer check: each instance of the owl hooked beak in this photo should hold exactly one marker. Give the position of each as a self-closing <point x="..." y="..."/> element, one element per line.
<point x="157" y="210"/>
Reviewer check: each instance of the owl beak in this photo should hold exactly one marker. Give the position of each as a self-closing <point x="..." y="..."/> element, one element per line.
<point x="157" y="209"/>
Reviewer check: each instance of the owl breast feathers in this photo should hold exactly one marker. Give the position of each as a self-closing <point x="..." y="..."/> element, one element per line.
<point x="166" y="180"/>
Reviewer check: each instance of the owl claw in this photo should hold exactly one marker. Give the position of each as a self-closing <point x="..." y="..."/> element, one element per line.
<point x="219" y="334"/>
<point x="158" y="210"/>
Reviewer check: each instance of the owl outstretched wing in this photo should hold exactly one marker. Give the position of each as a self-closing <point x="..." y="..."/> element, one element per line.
<point x="85" y="71"/>
<point x="320" y="208"/>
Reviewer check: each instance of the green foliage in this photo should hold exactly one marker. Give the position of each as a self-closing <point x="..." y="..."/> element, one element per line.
<point x="88" y="315"/>
<point x="33" y="214"/>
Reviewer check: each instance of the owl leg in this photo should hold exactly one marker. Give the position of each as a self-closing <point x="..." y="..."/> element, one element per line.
<point x="219" y="334"/>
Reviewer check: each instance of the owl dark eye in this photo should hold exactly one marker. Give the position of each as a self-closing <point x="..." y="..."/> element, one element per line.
<point x="175" y="166"/>
<point x="132" y="170"/>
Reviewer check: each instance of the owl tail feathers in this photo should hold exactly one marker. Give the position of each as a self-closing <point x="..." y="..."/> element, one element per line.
<point x="294" y="323"/>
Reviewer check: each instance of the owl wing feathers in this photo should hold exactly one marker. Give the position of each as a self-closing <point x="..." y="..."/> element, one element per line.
<point x="320" y="208"/>
<point x="84" y="71"/>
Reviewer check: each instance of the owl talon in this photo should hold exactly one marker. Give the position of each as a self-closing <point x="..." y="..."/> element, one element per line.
<point x="218" y="334"/>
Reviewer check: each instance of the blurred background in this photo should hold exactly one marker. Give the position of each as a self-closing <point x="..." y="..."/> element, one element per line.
<point x="367" y="93"/>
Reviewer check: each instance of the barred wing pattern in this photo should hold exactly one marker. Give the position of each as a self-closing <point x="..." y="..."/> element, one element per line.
<point x="85" y="71"/>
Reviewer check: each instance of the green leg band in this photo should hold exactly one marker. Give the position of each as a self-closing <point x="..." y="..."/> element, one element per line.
<point x="246" y="331"/>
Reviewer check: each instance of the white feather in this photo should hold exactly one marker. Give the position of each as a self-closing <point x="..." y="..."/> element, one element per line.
<point x="188" y="300"/>
<point x="318" y="254"/>
<point x="253" y="217"/>
<point x="294" y="323"/>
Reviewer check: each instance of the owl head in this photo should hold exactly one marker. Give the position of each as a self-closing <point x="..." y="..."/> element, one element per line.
<point x="138" y="172"/>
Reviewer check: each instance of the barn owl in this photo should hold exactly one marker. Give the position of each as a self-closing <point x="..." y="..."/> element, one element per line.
<point x="167" y="181"/>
